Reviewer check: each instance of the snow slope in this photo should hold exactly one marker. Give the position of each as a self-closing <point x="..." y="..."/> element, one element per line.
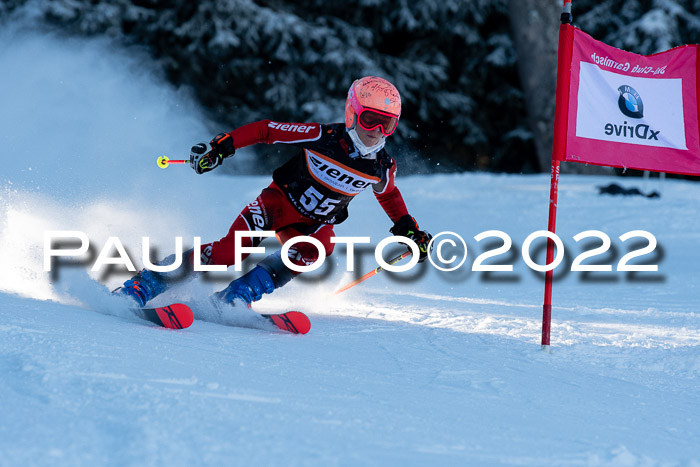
<point x="417" y="368"/>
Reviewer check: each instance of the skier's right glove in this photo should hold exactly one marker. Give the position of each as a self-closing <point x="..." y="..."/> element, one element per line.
<point x="221" y="148"/>
<point x="408" y="227"/>
<point x="222" y="145"/>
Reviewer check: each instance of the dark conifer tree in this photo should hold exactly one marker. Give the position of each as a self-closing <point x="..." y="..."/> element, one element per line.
<point x="453" y="61"/>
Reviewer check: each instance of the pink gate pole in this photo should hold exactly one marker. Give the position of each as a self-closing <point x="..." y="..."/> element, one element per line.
<point x="558" y="148"/>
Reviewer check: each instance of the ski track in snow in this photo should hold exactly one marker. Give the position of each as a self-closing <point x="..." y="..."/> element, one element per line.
<point x="418" y="368"/>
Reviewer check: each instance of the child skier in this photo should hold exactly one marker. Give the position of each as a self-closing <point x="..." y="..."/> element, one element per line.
<point x="308" y="195"/>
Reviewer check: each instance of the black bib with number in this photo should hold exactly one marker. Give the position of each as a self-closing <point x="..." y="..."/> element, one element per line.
<point x="328" y="173"/>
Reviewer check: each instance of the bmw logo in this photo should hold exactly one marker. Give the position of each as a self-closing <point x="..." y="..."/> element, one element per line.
<point x="630" y="102"/>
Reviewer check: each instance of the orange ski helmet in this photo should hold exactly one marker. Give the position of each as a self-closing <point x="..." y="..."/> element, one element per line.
<point x="376" y="103"/>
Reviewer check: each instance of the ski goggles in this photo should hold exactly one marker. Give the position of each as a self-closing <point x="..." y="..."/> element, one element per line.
<point x="369" y="119"/>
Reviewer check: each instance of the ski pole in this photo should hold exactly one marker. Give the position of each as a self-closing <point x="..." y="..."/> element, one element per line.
<point x="374" y="272"/>
<point x="164" y="161"/>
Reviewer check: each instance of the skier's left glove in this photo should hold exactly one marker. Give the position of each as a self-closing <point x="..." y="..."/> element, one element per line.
<point x="408" y="227"/>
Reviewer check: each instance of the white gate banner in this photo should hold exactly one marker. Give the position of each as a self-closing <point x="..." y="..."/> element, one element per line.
<point x="630" y="109"/>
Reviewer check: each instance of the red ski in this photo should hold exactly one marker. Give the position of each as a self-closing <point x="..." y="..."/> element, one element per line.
<point x="175" y="316"/>
<point x="295" y="322"/>
<point x="180" y="316"/>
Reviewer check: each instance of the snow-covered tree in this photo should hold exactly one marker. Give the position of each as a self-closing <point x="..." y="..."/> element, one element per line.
<point x="454" y="61"/>
<point x="640" y="26"/>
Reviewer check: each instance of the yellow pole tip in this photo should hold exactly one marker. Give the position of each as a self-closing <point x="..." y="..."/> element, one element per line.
<point x="163" y="162"/>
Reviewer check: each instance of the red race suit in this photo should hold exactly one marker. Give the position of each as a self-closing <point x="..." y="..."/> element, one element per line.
<point x="310" y="192"/>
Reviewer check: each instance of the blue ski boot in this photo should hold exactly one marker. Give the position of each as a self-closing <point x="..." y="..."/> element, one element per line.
<point x="268" y="275"/>
<point x="143" y="286"/>
<point x="148" y="284"/>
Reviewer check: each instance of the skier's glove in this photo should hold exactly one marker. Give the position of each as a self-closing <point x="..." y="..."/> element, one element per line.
<point x="202" y="161"/>
<point x="407" y="227"/>
<point x="222" y="145"/>
<point x="221" y="148"/>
